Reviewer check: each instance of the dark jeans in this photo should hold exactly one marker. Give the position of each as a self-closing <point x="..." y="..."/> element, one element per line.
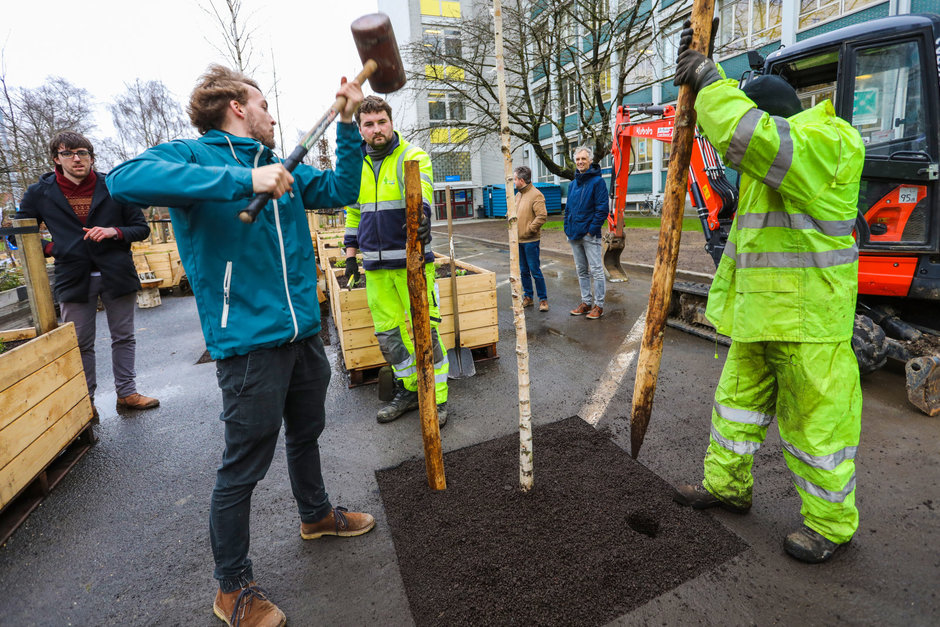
<point x="259" y="391"/>
<point x="530" y="268"/>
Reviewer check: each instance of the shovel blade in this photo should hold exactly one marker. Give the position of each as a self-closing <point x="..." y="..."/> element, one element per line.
<point x="460" y="363"/>
<point x="612" y="248"/>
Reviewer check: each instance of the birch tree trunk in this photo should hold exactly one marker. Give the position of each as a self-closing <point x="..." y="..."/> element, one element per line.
<point x="526" y="466"/>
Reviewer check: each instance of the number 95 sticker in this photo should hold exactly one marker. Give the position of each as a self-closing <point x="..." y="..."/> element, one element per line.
<point x="908" y="195"/>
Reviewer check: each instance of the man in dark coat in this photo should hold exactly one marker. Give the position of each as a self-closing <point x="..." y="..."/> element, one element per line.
<point x="91" y="243"/>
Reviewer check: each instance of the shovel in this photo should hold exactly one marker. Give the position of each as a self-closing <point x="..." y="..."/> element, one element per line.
<point x="459" y="358"/>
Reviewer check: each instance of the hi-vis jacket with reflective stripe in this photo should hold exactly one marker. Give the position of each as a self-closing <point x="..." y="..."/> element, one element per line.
<point x="790" y="267"/>
<point x="254" y="284"/>
<point x="376" y="223"/>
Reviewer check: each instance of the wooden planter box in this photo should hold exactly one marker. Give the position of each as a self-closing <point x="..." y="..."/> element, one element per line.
<point x="329" y="246"/>
<point x="161" y="259"/>
<point x="476" y="295"/>
<point x="44" y="406"/>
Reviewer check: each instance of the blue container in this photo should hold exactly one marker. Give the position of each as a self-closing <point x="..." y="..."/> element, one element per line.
<point x="494" y="199"/>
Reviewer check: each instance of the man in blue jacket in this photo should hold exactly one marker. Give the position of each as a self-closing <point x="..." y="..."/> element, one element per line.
<point x="255" y="289"/>
<point x="585" y="212"/>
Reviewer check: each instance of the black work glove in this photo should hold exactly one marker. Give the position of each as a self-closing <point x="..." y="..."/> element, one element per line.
<point x="694" y="68"/>
<point x="685" y="38"/>
<point x="352" y="272"/>
<point x="424" y="229"/>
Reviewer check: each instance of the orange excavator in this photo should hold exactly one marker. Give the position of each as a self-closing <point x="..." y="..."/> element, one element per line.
<point x="884" y="77"/>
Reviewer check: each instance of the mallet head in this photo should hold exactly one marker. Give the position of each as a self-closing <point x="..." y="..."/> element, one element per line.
<point x="375" y="40"/>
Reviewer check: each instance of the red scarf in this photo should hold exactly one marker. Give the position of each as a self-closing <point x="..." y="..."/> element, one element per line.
<point x="80" y="195"/>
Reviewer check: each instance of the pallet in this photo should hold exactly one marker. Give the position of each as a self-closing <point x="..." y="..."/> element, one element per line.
<point x="161" y="259"/>
<point x="18" y="510"/>
<point x="368" y="376"/>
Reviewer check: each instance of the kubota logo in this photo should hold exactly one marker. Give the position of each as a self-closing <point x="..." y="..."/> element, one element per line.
<point x="644" y="131"/>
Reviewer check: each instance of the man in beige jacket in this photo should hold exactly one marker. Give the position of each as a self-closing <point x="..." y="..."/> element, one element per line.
<point x="531" y="213"/>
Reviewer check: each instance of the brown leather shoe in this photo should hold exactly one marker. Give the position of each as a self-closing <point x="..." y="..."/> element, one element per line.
<point x="248" y="607"/>
<point x="527" y="301"/>
<point x="595" y="313"/>
<point x="137" y="401"/>
<point x="339" y="522"/>
<point x="543" y="305"/>
<point x="580" y="310"/>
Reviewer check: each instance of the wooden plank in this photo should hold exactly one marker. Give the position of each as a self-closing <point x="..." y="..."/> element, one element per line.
<point x="18" y="474"/>
<point x="26" y="359"/>
<point x="25" y="393"/>
<point x="37" y="279"/>
<point x="357" y="338"/>
<point x="13" y="335"/>
<point x="25" y="429"/>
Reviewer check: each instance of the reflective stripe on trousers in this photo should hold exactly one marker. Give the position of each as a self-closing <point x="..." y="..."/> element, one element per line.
<point x="813" y="388"/>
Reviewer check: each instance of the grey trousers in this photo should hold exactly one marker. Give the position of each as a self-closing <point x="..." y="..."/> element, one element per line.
<point x="589" y="263"/>
<point x="120" y="313"/>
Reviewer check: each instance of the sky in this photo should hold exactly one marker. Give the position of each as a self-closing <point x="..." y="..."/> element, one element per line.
<point x="103" y="45"/>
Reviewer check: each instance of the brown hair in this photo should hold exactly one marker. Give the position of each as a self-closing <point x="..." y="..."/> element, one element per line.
<point x="212" y="95"/>
<point x="71" y="141"/>
<point x="373" y="104"/>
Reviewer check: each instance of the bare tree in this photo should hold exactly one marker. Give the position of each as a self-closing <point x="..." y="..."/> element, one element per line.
<point x="235" y="31"/>
<point x="566" y="61"/>
<point x="29" y="118"/>
<point x="146" y="114"/>
<point x="322" y="160"/>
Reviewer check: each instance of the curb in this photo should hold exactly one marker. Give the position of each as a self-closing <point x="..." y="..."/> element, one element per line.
<point x="642" y="268"/>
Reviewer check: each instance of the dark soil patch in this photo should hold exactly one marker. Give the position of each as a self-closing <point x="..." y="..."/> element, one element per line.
<point x="598" y="536"/>
<point x="8" y="346"/>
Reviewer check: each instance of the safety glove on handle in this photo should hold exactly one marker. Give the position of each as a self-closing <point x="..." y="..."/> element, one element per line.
<point x="424" y="229"/>
<point x="352" y="272"/>
<point x="694" y="68"/>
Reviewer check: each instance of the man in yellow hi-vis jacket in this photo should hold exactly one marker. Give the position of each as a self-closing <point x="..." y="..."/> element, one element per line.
<point x="785" y="293"/>
<point x="376" y="226"/>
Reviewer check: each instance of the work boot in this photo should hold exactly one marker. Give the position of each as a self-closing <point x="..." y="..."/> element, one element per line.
<point x="137" y="401"/>
<point x="248" y="607"/>
<point x="442" y="414"/>
<point x="697" y="497"/>
<point x="403" y="401"/>
<point x="543" y="305"/>
<point x="595" y="313"/>
<point x="809" y="546"/>
<point x="580" y="310"/>
<point x="527" y="301"/>
<point x="339" y="522"/>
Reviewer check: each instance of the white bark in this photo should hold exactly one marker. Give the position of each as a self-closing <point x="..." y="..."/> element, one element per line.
<point x="526" y="465"/>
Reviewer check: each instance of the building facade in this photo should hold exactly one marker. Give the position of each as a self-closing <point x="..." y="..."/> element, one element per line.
<point x="465" y="167"/>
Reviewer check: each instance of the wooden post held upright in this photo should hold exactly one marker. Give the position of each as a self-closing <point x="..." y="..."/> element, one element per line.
<point x="421" y="325"/>
<point x="667" y="254"/>
<point x="37" y="279"/>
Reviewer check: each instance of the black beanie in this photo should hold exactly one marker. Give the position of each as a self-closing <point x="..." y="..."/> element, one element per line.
<point x="773" y="95"/>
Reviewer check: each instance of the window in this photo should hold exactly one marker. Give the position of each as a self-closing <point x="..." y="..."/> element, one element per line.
<point x="747" y="24"/>
<point x="445" y="107"/>
<point x="451" y="164"/>
<point x="642" y="154"/>
<point x="538" y="101"/>
<point x="640" y="67"/>
<point x="603" y="77"/>
<point x="813" y="12"/>
<point x="443" y="41"/>
<point x="569" y="94"/>
<point x="442" y="8"/>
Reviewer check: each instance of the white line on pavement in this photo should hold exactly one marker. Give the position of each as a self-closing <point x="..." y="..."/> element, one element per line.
<point x="603" y="394"/>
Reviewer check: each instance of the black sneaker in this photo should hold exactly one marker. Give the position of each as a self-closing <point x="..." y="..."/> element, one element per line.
<point x="403" y="401"/>
<point x="442" y="414"/>
<point x="809" y="546"/>
<point x="697" y="497"/>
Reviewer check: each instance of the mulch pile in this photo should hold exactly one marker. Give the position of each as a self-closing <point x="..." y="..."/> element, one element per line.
<point x="598" y="535"/>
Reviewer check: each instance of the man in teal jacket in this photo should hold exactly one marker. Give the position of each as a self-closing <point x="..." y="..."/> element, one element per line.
<point x="785" y="293"/>
<point x="255" y="289"/>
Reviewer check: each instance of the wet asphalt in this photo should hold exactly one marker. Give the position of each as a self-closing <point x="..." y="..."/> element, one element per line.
<point x="123" y="540"/>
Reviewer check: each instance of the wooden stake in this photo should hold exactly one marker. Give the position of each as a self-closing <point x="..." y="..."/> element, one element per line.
<point x="526" y="459"/>
<point x="421" y="324"/>
<point x="667" y="254"/>
<point x="37" y="279"/>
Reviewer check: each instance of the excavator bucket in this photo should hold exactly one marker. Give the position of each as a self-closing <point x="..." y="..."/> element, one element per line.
<point x="612" y="247"/>
<point x="923" y="383"/>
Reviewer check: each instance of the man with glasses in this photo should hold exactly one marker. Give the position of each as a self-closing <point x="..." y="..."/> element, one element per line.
<point x="91" y="243"/>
